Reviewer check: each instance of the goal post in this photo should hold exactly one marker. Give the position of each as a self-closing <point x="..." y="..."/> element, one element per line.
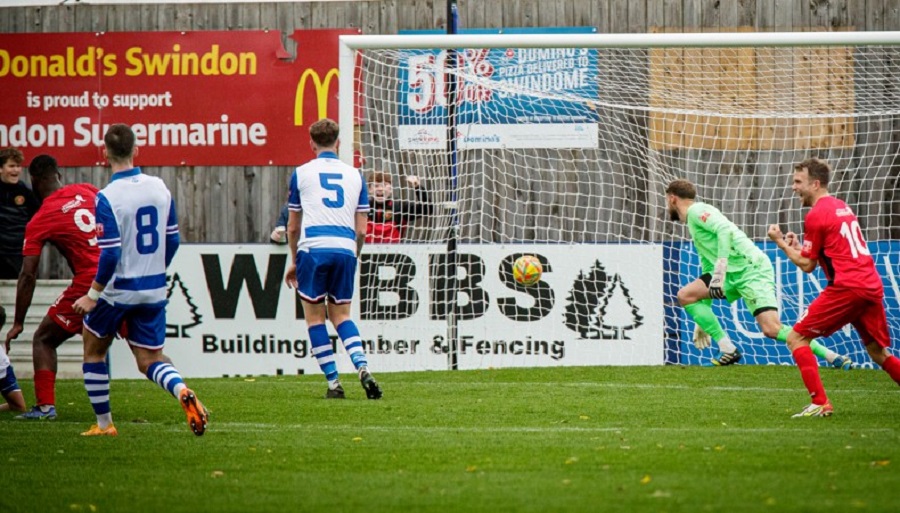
<point x="565" y="145"/>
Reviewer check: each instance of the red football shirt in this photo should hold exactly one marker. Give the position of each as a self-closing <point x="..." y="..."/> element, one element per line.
<point x="834" y="238"/>
<point x="66" y="220"/>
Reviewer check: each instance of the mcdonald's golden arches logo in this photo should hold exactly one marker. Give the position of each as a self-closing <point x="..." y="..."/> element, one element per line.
<point x="322" y="87"/>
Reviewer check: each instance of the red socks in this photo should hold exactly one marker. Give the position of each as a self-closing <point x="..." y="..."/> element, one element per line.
<point x="45" y="387"/>
<point x="892" y="367"/>
<point x="809" y="371"/>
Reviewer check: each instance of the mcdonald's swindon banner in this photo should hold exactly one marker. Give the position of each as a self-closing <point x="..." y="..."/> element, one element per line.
<point x="192" y="98"/>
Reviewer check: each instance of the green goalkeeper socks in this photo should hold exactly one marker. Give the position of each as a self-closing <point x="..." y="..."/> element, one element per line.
<point x="817" y="348"/>
<point x="783" y="333"/>
<point x="703" y="315"/>
<point x="821" y="351"/>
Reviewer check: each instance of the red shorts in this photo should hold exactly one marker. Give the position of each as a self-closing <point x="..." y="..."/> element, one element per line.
<point x="837" y="307"/>
<point x="61" y="310"/>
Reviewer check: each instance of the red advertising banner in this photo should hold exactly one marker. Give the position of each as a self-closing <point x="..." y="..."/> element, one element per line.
<point x="192" y="98"/>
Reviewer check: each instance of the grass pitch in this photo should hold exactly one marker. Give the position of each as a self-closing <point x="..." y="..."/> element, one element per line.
<point x="629" y="439"/>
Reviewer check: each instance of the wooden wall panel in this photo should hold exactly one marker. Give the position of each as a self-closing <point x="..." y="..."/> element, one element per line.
<point x="582" y="198"/>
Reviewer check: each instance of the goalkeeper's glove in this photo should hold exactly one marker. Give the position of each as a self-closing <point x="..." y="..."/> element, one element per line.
<point x="701" y="338"/>
<point x="717" y="284"/>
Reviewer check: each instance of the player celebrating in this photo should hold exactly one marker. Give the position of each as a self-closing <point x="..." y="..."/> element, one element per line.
<point x="137" y="231"/>
<point x="66" y="220"/>
<point x="854" y="295"/>
<point x="330" y="199"/>
<point x="733" y="267"/>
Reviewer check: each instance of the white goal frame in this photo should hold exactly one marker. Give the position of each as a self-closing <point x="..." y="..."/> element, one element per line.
<point x="350" y="44"/>
<point x="634" y="50"/>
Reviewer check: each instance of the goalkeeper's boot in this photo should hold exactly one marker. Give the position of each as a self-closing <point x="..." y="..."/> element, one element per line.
<point x="843" y="363"/>
<point x="46" y="412"/>
<point x="197" y="416"/>
<point x="815" y="410"/>
<point x="727" y="358"/>
<point x="335" y="393"/>
<point x="96" y="430"/>
<point x="373" y="391"/>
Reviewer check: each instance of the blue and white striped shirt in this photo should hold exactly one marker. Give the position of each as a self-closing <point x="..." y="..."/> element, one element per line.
<point x="330" y="194"/>
<point x="137" y="232"/>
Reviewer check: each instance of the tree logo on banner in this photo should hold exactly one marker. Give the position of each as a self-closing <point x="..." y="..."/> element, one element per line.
<point x="182" y="305"/>
<point x="600" y="307"/>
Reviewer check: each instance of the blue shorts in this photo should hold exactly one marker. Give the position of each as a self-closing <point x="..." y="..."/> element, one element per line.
<point x="144" y="324"/>
<point x="8" y="382"/>
<point x="321" y="274"/>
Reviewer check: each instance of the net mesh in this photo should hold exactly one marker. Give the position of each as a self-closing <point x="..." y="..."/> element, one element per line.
<point x="568" y="151"/>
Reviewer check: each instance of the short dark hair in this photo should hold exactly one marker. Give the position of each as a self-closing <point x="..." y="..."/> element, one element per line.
<point x="324" y="132"/>
<point x="682" y="189"/>
<point x="42" y="167"/>
<point x="817" y="168"/>
<point x="119" y="141"/>
<point x="379" y="177"/>
<point x="11" y="154"/>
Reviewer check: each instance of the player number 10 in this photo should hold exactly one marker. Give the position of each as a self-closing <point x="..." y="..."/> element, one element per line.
<point x="853" y="233"/>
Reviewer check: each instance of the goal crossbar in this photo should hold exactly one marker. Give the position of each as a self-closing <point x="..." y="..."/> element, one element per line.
<point x="350" y="44"/>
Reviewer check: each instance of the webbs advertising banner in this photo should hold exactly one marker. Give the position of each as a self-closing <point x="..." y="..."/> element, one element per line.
<point x="230" y="312"/>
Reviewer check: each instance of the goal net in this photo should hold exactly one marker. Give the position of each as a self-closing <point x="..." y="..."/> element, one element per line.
<point x="562" y="147"/>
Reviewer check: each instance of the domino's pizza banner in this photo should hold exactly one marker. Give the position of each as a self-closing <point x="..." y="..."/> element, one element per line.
<point x="192" y="98"/>
<point x="508" y="98"/>
<point x="230" y="312"/>
<point x="796" y="290"/>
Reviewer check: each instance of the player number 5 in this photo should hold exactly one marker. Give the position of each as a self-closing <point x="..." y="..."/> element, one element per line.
<point x="853" y="233"/>
<point x="328" y="182"/>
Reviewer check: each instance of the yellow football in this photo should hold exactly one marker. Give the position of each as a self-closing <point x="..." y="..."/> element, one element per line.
<point x="527" y="270"/>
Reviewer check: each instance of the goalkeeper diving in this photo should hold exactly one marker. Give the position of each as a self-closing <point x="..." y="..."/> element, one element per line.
<point x="733" y="268"/>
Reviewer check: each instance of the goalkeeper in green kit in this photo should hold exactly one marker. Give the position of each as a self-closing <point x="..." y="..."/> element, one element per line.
<point x="733" y="268"/>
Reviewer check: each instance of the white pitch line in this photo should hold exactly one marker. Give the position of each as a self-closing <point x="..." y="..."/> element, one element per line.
<point x="256" y="426"/>
<point x="590" y="384"/>
<point x="250" y="427"/>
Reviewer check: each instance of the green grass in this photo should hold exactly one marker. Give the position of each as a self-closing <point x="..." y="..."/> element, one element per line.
<point x="623" y="439"/>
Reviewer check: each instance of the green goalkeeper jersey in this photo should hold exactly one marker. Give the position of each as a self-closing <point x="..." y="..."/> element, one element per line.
<point x="716" y="237"/>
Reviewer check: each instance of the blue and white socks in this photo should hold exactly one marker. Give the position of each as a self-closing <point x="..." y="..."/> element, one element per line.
<point x="321" y="348"/>
<point x="96" y="382"/>
<point x="167" y="377"/>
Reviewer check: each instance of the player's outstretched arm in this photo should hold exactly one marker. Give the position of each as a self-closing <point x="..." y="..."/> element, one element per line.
<point x="24" y="294"/>
<point x="790" y="244"/>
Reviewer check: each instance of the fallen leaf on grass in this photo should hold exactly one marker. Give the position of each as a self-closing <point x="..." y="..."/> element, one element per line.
<point x="217" y="473"/>
<point x="646" y="479"/>
<point x="881" y="463"/>
<point x="357" y="439"/>
<point x="571" y="460"/>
